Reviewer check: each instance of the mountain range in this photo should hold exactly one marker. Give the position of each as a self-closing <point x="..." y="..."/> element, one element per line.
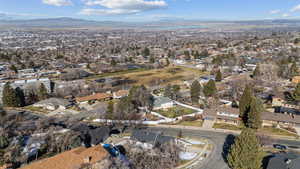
<point x="82" y="23"/>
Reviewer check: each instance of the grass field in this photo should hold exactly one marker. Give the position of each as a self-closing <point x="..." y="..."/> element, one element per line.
<point x="226" y="126"/>
<point x="277" y="131"/>
<point x="196" y="123"/>
<point x="116" y="73"/>
<point x="173" y="75"/>
<point x="175" y="111"/>
<point x="168" y="75"/>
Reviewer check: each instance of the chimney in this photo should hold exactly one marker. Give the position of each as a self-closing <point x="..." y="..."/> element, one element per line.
<point x="87" y="160"/>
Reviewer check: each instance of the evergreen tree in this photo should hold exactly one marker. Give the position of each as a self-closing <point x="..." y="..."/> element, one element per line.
<point x="168" y="91"/>
<point x="9" y="97"/>
<point x="146" y="52"/>
<point x="187" y="55"/>
<point x="20" y="97"/>
<point x="296" y="93"/>
<point x="167" y="62"/>
<point x="195" y="92"/>
<point x="293" y="70"/>
<point x="2" y="112"/>
<point x="113" y="62"/>
<point x="210" y="88"/>
<point x="219" y="76"/>
<point x="110" y="110"/>
<point x="3" y="142"/>
<point x="152" y="59"/>
<point x="254" y="115"/>
<point x="175" y="90"/>
<point x="13" y="68"/>
<point x="245" y="102"/>
<point x="246" y="152"/>
<point x="42" y="92"/>
<point x="257" y="72"/>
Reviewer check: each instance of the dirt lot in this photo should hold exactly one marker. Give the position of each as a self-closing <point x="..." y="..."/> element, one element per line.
<point x="174" y="75"/>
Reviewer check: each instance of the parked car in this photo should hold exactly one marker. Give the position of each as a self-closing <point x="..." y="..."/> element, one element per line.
<point x="280" y="147"/>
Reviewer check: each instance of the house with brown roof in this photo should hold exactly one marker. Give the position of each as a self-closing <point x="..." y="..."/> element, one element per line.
<point x="94" y="97"/>
<point x="296" y="79"/>
<point x="72" y="159"/>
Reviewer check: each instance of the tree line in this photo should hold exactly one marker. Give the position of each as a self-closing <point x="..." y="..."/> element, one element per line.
<point x="15" y="97"/>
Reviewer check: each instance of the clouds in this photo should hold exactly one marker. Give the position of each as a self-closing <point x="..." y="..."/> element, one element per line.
<point x="295" y="8"/>
<point x="117" y="7"/>
<point x="58" y="2"/>
<point x="275" y="11"/>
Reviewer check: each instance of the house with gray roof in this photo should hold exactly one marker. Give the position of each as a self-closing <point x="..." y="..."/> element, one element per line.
<point x="162" y="103"/>
<point x="53" y="104"/>
<point x="151" y="137"/>
<point x="284" y="161"/>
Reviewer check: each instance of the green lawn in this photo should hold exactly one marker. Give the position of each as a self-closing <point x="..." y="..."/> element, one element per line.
<point x="197" y="123"/>
<point x="267" y="130"/>
<point x="277" y="131"/>
<point x="226" y="126"/>
<point x="175" y="111"/>
<point x="36" y="109"/>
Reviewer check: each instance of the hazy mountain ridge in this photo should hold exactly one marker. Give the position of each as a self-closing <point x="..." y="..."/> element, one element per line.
<point x="66" y="22"/>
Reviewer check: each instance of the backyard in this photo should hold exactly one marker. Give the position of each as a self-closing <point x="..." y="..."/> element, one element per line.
<point x="175" y="111"/>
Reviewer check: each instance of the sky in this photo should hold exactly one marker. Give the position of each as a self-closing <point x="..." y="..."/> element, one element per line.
<point x="151" y="10"/>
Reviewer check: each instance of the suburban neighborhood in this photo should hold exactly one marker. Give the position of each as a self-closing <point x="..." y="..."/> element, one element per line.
<point x="79" y="93"/>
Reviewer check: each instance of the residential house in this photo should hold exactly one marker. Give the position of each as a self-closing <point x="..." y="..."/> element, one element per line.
<point x="150" y="137"/>
<point x="162" y="103"/>
<point x="120" y="94"/>
<point x="296" y="79"/>
<point x="53" y="104"/>
<point x="92" y="136"/>
<point x="94" y="97"/>
<point x="281" y="120"/>
<point x="74" y="158"/>
<point x="205" y="79"/>
<point x="222" y="114"/>
<point x="284" y="161"/>
<point x="27" y="73"/>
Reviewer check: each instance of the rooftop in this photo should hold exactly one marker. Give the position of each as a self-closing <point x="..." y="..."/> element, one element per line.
<point x="97" y="96"/>
<point x="70" y="159"/>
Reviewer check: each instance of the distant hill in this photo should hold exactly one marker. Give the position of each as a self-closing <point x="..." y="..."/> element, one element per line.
<point x="57" y="23"/>
<point x="65" y="22"/>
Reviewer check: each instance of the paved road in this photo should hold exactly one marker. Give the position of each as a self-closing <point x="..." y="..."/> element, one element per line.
<point x="215" y="160"/>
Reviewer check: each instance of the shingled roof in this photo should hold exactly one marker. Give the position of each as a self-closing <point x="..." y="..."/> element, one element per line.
<point x="97" y="96"/>
<point x="70" y="159"/>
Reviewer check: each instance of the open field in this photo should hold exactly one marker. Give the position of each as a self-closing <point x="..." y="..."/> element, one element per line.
<point x="167" y="75"/>
<point x="174" y="75"/>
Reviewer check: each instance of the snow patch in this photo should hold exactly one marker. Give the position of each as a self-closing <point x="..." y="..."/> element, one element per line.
<point x="187" y="155"/>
